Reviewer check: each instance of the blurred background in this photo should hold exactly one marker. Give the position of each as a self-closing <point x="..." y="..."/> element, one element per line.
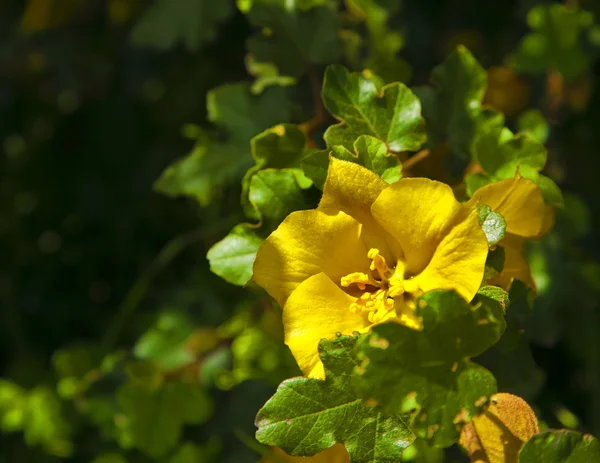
<point x="117" y="343"/>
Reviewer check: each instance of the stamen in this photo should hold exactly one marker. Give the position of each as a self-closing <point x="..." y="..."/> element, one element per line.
<point x="358" y="278"/>
<point x="378" y="263"/>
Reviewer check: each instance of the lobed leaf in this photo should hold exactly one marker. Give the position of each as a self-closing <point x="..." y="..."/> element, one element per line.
<point x="426" y="371"/>
<point x="560" y="447"/>
<point x="307" y="416"/>
<point x="193" y="22"/>
<point x="392" y="114"/>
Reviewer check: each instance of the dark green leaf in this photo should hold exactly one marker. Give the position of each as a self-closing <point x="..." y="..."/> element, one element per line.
<point x="452" y="107"/>
<point x="426" y="371"/>
<point x="494" y="263"/>
<point x="391" y="114"/>
<point x="165" y="343"/>
<point x="384" y="44"/>
<point x="550" y="190"/>
<point x="193" y="22"/>
<point x="154" y="418"/>
<point x="295" y="39"/>
<point x="560" y="447"/>
<point x="232" y="257"/>
<point x="474" y="182"/>
<point x="421" y="452"/>
<point x="497" y="294"/>
<point x="315" y="164"/>
<point x="555" y="42"/>
<point x="275" y="193"/>
<point x="307" y="416"/>
<point x="110" y="458"/>
<point x="513" y="364"/>
<point x="216" y="161"/>
<point x="534" y="124"/>
<point x="266" y="74"/>
<point x="279" y="147"/>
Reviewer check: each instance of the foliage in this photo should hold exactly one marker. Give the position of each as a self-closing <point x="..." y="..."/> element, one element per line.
<point x="151" y="147"/>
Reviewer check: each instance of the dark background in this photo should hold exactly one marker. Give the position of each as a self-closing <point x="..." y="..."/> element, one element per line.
<point x="88" y="121"/>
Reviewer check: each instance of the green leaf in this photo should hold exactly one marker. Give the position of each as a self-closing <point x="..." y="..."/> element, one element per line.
<point x="368" y="152"/>
<point x="492" y="223"/>
<point x="421" y="452"/>
<point x="191" y="453"/>
<point x="13" y="406"/>
<point x="391" y="114"/>
<point x="258" y="355"/>
<point x="307" y="416"/>
<point x="45" y="423"/>
<point x="560" y="447"/>
<point x="165" y="343"/>
<point x="246" y="5"/>
<point x="494" y="263"/>
<point x="193" y="22"/>
<point x="293" y="39"/>
<point x="373" y="154"/>
<point x="266" y="74"/>
<point x="279" y="147"/>
<point x="534" y="124"/>
<point x="384" y="44"/>
<point x="474" y="182"/>
<point x="496" y="293"/>
<point x="315" y="165"/>
<point x="550" y="190"/>
<point x="217" y="161"/>
<point x="232" y="257"/>
<point x="275" y="193"/>
<point x="452" y="107"/>
<point x="555" y="42"/>
<point x="75" y="361"/>
<point x="110" y="458"/>
<point x="428" y="371"/>
<point x="499" y="153"/>
<point x="154" y="418"/>
<point x="513" y="364"/>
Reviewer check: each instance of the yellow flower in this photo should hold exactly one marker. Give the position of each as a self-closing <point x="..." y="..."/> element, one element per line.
<point x="364" y="255"/>
<point x="335" y="454"/>
<point x="527" y="216"/>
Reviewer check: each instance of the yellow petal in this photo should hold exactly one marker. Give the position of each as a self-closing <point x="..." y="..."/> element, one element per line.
<point x="519" y="200"/>
<point x="458" y="262"/>
<point x="497" y="435"/>
<point x="418" y="212"/>
<point x="353" y="189"/>
<point x="515" y="263"/>
<point x="335" y="454"/>
<point x="307" y="243"/>
<point x="548" y="222"/>
<point x="318" y="309"/>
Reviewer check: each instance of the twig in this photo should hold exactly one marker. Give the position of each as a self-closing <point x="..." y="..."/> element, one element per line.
<point x="320" y="114"/>
<point x="410" y="162"/>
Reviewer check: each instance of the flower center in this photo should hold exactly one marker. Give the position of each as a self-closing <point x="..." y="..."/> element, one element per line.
<point x="381" y="285"/>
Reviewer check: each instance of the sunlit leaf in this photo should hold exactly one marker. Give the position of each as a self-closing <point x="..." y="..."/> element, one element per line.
<point x="232" y="257"/>
<point x="391" y="114"/>
<point x="428" y="370"/>
<point x="307" y="416"/>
